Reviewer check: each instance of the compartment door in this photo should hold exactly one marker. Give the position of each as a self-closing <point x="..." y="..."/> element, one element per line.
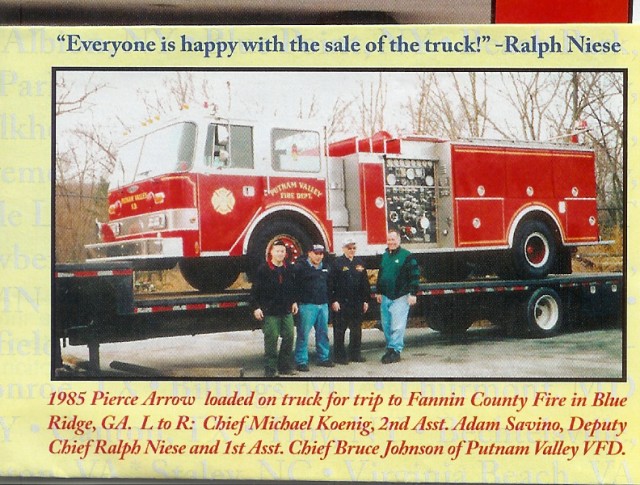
<point x="480" y="222"/>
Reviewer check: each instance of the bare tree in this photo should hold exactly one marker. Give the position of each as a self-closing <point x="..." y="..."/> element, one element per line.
<point x="372" y="102"/>
<point x="71" y="97"/>
<point x="80" y="193"/>
<point x="339" y="120"/>
<point x="454" y="105"/>
<point x="179" y="90"/>
<point x="601" y="94"/>
<point x="533" y="95"/>
<point x="418" y="107"/>
<point x="81" y="164"/>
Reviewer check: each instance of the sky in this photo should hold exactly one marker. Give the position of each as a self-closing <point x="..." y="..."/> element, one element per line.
<point x="274" y="93"/>
<point x="252" y="94"/>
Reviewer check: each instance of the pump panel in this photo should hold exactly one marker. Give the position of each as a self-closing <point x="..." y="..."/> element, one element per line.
<point x="410" y="191"/>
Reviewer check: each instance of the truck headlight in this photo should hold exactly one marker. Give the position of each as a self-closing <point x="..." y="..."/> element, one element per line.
<point x="115" y="228"/>
<point x="158" y="221"/>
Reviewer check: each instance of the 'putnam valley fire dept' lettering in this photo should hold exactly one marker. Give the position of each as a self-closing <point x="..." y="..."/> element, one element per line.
<point x="283" y="186"/>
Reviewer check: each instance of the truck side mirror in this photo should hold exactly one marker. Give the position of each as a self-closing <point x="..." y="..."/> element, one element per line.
<point x="222" y="136"/>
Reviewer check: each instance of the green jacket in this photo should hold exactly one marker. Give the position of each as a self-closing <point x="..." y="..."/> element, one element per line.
<point x="399" y="274"/>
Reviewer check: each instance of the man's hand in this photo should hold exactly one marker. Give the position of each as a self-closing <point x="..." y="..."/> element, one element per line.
<point x="412" y="299"/>
<point x="257" y="313"/>
<point x="335" y="306"/>
<point x="294" y="308"/>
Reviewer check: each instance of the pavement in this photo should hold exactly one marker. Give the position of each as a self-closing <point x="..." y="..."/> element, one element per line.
<point x="481" y="353"/>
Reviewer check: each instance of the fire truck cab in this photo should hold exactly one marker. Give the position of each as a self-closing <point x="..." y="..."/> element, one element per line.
<point x="212" y="194"/>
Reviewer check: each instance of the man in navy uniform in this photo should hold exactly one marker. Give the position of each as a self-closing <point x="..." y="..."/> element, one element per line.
<point x="350" y="301"/>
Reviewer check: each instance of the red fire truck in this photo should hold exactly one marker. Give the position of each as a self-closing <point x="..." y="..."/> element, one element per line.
<point x="210" y="194"/>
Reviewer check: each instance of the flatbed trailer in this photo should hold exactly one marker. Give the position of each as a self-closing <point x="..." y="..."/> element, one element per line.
<point x="96" y="303"/>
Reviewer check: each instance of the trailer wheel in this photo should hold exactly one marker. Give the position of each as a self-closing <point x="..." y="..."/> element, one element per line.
<point x="534" y="250"/>
<point x="294" y="237"/>
<point x="451" y="327"/>
<point x="448" y="317"/>
<point x="544" y="313"/>
<point x="209" y="275"/>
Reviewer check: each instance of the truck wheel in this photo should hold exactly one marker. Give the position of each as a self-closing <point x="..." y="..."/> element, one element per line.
<point x="544" y="313"/>
<point x="295" y="239"/>
<point x="448" y="318"/>
<point x="534" y="250"/>
<point x="209" y="275"/>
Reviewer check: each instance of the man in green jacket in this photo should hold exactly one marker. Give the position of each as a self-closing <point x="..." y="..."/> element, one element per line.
<point x="396" y="289"/>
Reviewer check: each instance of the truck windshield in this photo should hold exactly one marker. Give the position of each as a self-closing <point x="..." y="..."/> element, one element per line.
<point x="166" y="150"/>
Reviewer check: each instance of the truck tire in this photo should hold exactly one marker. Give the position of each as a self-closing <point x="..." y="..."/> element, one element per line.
<point x="209" y="275"/>
<point x="544" y="313"/>
<point x="534" y="250"/>
<point x="448" y="317"/>
<point x="295" y="238"/>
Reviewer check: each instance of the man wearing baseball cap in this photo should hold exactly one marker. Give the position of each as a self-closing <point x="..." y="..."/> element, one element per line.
<point x="312" y="284"/>
<point x="350" y="301"/>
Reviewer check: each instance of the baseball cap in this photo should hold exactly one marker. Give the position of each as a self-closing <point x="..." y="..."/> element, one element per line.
<point x="278" y="242"/>
<point x="348" y="241"/>
<point x="317" y="248"/>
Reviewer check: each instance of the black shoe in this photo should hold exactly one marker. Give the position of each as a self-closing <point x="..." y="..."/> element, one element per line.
<point x="302" y="367"/>
<point x="358" y="358"/>
<point x="287" y="372"/>
<point x="342" y="360"/>
<point x="391" y="357"/>
<point x="326" y="363"/>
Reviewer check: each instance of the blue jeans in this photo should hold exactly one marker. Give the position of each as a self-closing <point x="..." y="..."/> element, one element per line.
<point x="393" y="318"/>
<point x="316" y="316"/>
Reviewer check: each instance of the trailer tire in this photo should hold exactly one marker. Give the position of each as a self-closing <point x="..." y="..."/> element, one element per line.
<point x="544" y="313"/>
<point x="295" y="238"/>
<point x="451" y="327"/>
<point x="534" y="250"/>
<point x="448" y="317"/>
<point x="209" y="275"/>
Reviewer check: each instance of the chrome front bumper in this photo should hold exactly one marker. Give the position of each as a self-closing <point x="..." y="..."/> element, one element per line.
<point x="135" y="249"/>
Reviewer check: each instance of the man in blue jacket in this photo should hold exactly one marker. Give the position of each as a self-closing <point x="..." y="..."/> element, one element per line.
<point x="396" y="288"/>
<point x="312" y="285"/>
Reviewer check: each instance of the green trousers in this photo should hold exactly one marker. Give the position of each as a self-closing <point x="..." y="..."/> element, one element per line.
<point x="273" y="328"/>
